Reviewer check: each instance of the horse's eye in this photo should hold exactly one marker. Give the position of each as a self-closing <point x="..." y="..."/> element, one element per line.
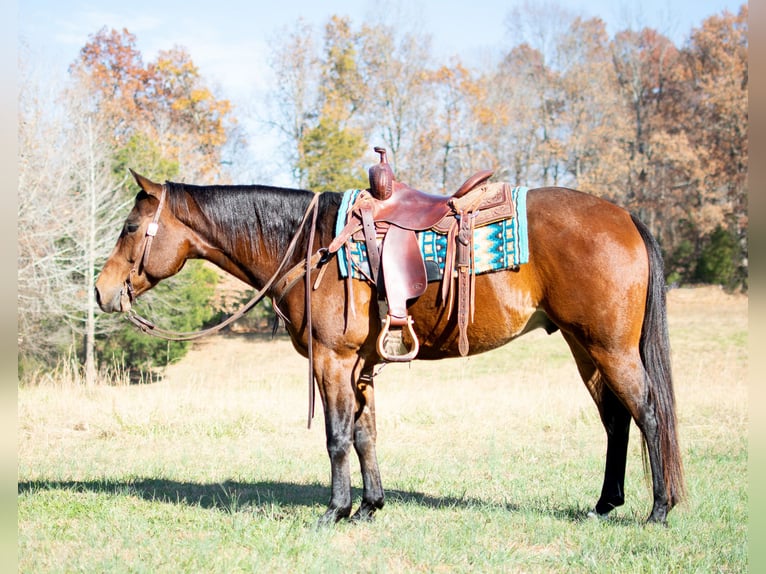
<point x="131" y="227"/>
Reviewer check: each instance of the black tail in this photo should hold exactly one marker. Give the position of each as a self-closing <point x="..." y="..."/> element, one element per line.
<point x="655" y="354"/>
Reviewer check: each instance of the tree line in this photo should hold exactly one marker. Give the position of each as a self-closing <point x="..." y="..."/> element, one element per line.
<point x="659" y="129"/>
<point x="656" y="128"/>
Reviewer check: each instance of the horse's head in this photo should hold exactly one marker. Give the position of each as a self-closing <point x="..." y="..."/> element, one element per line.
<point x="152" y="246"/>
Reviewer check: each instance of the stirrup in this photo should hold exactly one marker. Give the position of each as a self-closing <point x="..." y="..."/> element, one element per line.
<point x="391" y="343"/>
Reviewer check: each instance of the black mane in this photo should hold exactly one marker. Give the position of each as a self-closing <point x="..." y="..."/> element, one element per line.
<point x="267" y="217"/>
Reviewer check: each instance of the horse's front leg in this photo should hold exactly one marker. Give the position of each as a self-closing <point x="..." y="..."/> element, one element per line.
<point x="365" y="435"/>
<point x="335" y="378"/>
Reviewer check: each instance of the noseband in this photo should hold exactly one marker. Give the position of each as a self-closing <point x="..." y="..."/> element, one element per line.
<point x="146" y="245"/>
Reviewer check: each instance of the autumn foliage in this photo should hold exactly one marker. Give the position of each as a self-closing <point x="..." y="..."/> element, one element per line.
<point x="165" y="103"/>
<point x="657" y="128"/>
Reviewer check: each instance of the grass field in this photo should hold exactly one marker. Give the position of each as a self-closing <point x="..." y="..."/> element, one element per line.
<point x="489" y="464"/>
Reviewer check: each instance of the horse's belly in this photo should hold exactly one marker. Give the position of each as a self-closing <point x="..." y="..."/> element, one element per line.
<point x="504" y="309"/>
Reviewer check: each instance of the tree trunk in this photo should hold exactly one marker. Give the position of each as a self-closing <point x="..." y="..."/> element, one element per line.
<point x="90" y="255"/>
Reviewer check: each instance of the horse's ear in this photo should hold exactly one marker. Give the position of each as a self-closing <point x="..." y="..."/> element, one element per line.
<point x="146" y="184"/>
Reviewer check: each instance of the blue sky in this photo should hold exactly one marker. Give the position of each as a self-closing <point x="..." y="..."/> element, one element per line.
<point x="229" y="41"/>
<point x="233" y="36"/>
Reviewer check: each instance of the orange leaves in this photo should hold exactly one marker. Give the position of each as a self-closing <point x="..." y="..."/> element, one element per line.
<point x="166" y="100"/>
<point x="112" y="67"/>
<point x="718" y="61"/>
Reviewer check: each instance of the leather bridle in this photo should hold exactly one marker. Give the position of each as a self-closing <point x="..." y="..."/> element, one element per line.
<point x="146" y="245"/>
<point x="287" y="281"/>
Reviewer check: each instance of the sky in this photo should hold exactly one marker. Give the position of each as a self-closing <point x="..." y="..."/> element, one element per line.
<point x="229" y="40"/>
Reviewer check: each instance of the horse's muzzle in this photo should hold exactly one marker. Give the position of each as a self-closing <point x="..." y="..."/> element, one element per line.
<point x="119" y="302"/>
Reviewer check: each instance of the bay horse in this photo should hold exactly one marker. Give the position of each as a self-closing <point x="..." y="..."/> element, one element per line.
<point x="595" y="273"/>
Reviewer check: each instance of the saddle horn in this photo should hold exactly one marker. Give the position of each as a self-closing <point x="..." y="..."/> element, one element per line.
<point x="381" y="177"/>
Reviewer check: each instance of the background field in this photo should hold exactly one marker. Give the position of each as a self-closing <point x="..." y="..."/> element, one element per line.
<point x="489" y="463"/>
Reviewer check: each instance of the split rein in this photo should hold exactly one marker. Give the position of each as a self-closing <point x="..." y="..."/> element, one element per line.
<point x="286" y="282"/>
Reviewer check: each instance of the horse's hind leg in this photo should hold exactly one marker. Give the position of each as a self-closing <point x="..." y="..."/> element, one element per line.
<point x="625" y="376"/>
<point x="365" y="435"/>
<point x="616" y="420"/>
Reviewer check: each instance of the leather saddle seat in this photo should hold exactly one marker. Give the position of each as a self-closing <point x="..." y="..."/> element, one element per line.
<point x="409" y="208"/>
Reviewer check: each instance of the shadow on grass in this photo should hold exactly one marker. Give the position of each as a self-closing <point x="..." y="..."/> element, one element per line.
<point x="269" y="497"/>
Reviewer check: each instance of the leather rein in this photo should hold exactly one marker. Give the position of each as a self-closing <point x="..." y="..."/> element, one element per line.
<point x="288" y="279"/>
<point x="286" y="282"/>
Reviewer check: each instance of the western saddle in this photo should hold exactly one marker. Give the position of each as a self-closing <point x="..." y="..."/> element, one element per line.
<point x="387" y="217"/>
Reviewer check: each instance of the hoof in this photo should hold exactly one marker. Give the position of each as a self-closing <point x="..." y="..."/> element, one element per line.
<point x="363" y="514"/>
<point x="659" y="514"/>
<point x="660" y="518"/>
<point x="332" y="516"/>
<point x="596" y="515"/>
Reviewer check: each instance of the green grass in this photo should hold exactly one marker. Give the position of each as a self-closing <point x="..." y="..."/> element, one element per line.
<point x="489" y="464"/>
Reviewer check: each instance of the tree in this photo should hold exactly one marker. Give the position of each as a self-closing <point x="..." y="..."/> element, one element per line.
<point x="120" y="82"/>
<point x="716" y="111"/>
<point x="359" y="88"/>
<point x="166" y="101"/>
<point x="97" y="201"/>
<point x="400" y="106"/>
<point x="42" y="284"/>
<point x="509" y="115"/>
<point x="188" y="120"/>
<point x="321" y="113"/>
<point x="718" y="80"/>
<point x="717" y="262"/>
<point x="688" y="149"/>
<point x="451" y="141"/>
<point x="593" y="114"/>
<point x="333" y="148"/>
<point x="295" y="66"/>
<point x="662" y="166"/>
<point x="541" y="27"/>
<point x="66" y="215"/>
<point x="73" y="172"/>
<point x="330" y="157"/>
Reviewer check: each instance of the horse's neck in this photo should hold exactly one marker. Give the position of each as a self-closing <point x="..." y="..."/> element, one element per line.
<point x="233" y="265"/>
<point x="253" y="256"/>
